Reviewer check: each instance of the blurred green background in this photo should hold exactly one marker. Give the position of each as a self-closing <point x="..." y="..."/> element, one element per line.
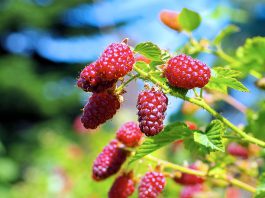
<point x="44" y="151"/>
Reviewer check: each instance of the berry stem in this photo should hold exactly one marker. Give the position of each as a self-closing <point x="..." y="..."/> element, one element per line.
<point x="200" y="102"/>
<point x="123" y="85"/>
<point x="182" y="169"/>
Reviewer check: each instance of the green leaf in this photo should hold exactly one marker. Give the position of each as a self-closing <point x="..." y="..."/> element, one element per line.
<point x="171" y="133"/>
<point x="261" y="187"/>
<point x="189" y="20"/>
<point x="251" y="56"/>
<point x="222" y="78"/>
<point x="143" y="66"/>
<point x="208" y="141"/>
<point x="225" y="32"/>
<point x="149" y="50"/>
<point x="256" y="124"/>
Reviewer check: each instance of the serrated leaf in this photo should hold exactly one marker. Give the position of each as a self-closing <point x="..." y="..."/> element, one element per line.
<point x="251" y="56"/>
<point x="171" y="133"/>
<point x="222" y="78"/>
<point x="143" y="66"/>
<point x="149" y="50"/>
<point x="225" y="32"/>
<point x="189" y="20"/>
<point x="209" y="141"/>
<point x="261" y="187"/>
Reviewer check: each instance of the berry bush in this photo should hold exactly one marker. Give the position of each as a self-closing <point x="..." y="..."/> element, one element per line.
<point x="222" y="151"/>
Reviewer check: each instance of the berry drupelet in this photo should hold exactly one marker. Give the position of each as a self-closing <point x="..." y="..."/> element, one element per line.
<point x="151" y="106"/>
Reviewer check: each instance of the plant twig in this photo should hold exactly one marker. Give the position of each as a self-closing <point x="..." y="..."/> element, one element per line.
<point x="183" y="169"/>
<point x="123" y="85"/>
<point x="200" y="102"/>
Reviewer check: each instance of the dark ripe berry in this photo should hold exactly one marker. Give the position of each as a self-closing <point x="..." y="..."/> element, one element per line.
<point x="122" y="187"/>
<point x="100" y="108"/>
<point x="189" y="179"/>
<point x="191" y="125"/>
<point x="190" y="191"/>
<point x="185" y="72"/>
<point x="237" y="150"/>
<point x="151" y="185"/>
<point x="116" y="61"/>
<point x="151" y="106"/>
<point x="109" y="161"/>
<point x="129" y="134"/>
<point x="90" y="80"/>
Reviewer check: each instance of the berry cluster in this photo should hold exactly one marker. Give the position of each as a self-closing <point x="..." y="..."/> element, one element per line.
<point x="100" y="78"/>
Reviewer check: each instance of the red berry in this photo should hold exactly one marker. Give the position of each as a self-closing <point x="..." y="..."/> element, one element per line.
<point x="129" y="134"/>
<point x="100" y="108"/>
<point x="151" y="185"/>
<point x="123" y="187"/>
<point x="185" y="72"/>
<point x="151" y="106"/>
<point x="171" y="19"/>
<point x="233" y="192"/>
<point x="90" y="80"/>
<point x="116" y="61"/>
<point x="190" y="191"/>
<point x="189" y="179"/>
<point x="109" y="161"/>
<point x="191" y="125"/>
<point x="237" y="150"/>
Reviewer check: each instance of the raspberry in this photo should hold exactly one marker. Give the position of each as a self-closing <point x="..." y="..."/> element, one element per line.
<point x="151" y="185"/>
<point x="89" y="79"/>
<point x="100" y="108"/>
<point x="109" y="161"/>
<point x="129" y="134"/>
<point x="151" y="106"/>
<point x="116" y="61"/>
<point x="190" y="191"/>
<point x="191" y="125"/>
<point x="185" y="72"/>
<point x="123" y="187"/>
<point x="237" y="150"/>
<point x="170" y="19"/>
<point x="189" y="179"/>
